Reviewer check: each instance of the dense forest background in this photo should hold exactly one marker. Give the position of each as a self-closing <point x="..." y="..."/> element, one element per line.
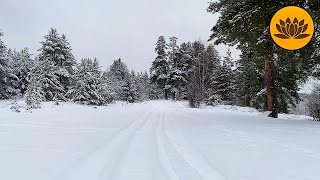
<point x="265" y="77"/>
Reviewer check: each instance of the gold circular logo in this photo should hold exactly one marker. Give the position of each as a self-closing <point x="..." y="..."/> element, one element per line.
<point x="292" y="28"/>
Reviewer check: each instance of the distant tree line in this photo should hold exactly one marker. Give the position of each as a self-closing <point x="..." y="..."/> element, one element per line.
<point x="55" y="75"/>
<point x="191" y="71"/>
<point x="195" y="72"/>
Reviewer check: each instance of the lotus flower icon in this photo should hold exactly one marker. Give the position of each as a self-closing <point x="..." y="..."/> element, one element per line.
<point x="292" y="30"/>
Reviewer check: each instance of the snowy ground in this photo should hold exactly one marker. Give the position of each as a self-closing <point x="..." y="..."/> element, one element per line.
<point x="157" y="140"/>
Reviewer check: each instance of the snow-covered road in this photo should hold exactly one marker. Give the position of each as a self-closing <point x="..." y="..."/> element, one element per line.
<point x="156" y="140"/>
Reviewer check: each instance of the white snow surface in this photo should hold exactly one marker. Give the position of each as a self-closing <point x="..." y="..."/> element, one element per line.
<point x="155" y="140"/>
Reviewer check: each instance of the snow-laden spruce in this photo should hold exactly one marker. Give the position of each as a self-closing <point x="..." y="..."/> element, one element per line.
<point x="177" y="76"/>
<point x="160" y="67"/>
<point x="22" y="65"/>
<point x="56" y="67"/>
<point x="223" y="81"/>
<point x="7" y="79"/>
<point x="118" y="75"/>
<point x="34" y="94"/>
<point x="90" y="87"/>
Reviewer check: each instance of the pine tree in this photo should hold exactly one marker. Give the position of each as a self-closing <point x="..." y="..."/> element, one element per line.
<point x="185" y="65"/>
<point x="143" y="86"/>
<point x="160" y="67"/>
<point x="130" y="91"/>
<point x="213" y="56"/>
<point x="287" y="79"/>
<point x="56" y="65"/>
<point x="34" y="94"/>
<point x="49" y="81"/>
<point x="223" y="81"/>
<point x="22" y="67"/>
<point x="248" y="22"/>
<point x="177" y="77"/>
<point x="7" y="78"/>
<point x="67" y="64"/>
<point x="117" y="74"/>
<point x="90" y="87"/>
<point x="249" y="79"/>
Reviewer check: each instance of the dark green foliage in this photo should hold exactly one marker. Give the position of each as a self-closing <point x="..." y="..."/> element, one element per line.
<point x="223" y="81"/>
<point x="160" y="66"/>
<point x="247" y="22"/>
<point x="249" y="79"/>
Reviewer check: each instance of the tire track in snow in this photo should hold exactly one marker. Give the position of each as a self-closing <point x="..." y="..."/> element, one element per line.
<point x="180" y="166"/>
<point x="188" y="153"/>
<point x="99" y="156"/>
<point x="145" y="158"/>
<point x="164" y="160"/>
<point x="111" y="170"/>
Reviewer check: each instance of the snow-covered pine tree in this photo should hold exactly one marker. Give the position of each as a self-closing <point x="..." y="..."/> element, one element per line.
<point x="90" y="87"/>
<point x="186" y="61"/>
<point x="160" y="67"/>
<point x="49" y="81"/>
<point x="180" y="71"/>
<point x="7" y="79"/>
<point x="288" y="76"/>
<point x="105" y="94"/>
<point x="177" y="77"/>
<point x="22" y="67"/>
<point x="172" y="47"/>
<point x="248" y="22"/>
<point x="34" y="94"/>
<point x="223" y="81"/>
<point x="66" y="64"/>
<point x="56" y="65"/>
<point x="130" y="90"/>
<point x="143" y="86"/>
<point x="213" y="56"/>
<point x="155" y="92"/>
<point x="249" y="79"/>
<point x="106" y="90"/>
<point x="117" y="75"/>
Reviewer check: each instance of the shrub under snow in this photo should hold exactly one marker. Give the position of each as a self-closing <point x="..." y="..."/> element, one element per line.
<point x="314" y="104"/>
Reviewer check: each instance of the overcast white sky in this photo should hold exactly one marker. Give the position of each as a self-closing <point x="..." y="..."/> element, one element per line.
<point x="107" y="29"/>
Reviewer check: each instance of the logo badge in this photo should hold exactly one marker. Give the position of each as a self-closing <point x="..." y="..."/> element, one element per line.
<point x="292" y="28"/>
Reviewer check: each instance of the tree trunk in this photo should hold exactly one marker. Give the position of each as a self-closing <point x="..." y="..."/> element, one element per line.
<point x="166" y="94"/>
<point x="270" y="86"/>
<point x="247" y="100"/>
<point x="269" y="70"/>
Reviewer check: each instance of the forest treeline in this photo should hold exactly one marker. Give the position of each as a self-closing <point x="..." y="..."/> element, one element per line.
<point x="265" y="76"/>
<point x="190" y="71"/>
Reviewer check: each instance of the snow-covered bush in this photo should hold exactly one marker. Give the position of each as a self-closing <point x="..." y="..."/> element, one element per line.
<point x="15" y="107"/>
<point x="90" y="87"/>
<point x="34" y="95"/>
<point x="314" y="104"/>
